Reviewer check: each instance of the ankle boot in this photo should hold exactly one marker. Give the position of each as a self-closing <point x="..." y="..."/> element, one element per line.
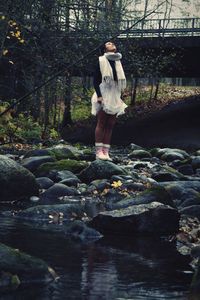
<point x="99" y="151"/>
<point x="106" y="149"/>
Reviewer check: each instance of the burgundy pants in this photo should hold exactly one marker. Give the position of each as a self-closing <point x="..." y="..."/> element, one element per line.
<point x="104" y="128"/>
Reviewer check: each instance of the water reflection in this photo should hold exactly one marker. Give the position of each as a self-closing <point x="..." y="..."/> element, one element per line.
<point x="137" y="269"/>
<point x="111" y="268"/>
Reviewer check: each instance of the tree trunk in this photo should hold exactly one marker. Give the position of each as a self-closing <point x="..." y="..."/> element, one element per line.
<point x="67" y="120"/>
<point x="156" y="90"/>
<point x="46" y="109"/>
<point x="151" y="90"/>
<point x="134" y="90"/>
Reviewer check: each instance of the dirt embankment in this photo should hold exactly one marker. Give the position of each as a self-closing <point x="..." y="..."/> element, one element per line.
<point x="177" y="124"/>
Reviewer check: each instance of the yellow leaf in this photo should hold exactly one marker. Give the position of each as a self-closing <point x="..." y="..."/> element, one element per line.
<point x="11" y="62"/>
<point x="5" y="52"/>
<point x="116" y="184"/>
<point x="17" y="33"/>
<point x="3" y="17"/>
<point x="21" y="41"/>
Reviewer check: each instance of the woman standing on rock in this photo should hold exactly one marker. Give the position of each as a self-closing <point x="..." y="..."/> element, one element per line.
<point x="109" y="82"/>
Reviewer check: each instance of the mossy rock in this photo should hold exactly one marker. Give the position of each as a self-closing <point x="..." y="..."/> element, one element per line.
<point x="154" y="151"/>
<point x="173" y="171"/>
<point x="166" y="173"/>
<point x="16" y="182"/>
<point x="87" y="154"/>
<point x="59" y="153"/>
<point x="171" y="156"/>
<point x="140" y="154"/>
<point x="158" y="194"/>
<point x="101" y="169"/>
<point x="62" y="153"/>
<point x="65" y="164"/>
<point x="8" y="281"/>
<point x="24" y="267"/>
<point x="159" y="152"/>
<point x="154" y="194"/>
<point x="185" y="161"/>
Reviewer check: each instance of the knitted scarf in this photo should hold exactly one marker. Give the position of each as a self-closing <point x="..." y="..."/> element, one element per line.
<point x="107" y="72"/>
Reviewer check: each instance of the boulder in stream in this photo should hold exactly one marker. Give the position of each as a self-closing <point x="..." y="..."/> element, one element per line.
<point x="20" y="268"/>
<point x="16" y="182"/>
<point x="100" y="169"/>
<point x="145" y="219"/>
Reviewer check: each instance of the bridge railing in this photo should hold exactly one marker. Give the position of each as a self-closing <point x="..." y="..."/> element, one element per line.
<point x="163" y="27"/>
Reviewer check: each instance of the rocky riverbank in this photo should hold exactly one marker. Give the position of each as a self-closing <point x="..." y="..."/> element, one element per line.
<point x="143" y="192"/>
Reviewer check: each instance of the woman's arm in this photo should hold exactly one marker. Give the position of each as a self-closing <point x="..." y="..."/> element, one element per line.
<point x="97" y="79"/>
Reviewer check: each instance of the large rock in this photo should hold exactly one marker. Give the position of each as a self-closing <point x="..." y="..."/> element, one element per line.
<point x="169" y="154"/>
<point x="140" y="154"/>
<point x="59" y="152"/>
<point x="176" y="188"/>
<point x="58" y="190"/>
<point x="193" y="210"/>
<point x="51" y="212"/>
<point x="44" y="182"/>
<point x="154" y="194"/>
<point x="65" y="164"/>
<point x="166" y="173"/>
<point x="67" y="177"/>
<point x="32" y="163"/>
<point x="17" y="267"/>
<point x="101" y="169"/>
<point x="146" y="219"/>
<point x="16" y="182"/>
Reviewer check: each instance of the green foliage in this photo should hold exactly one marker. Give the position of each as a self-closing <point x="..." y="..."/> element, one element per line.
<point x="22" y="128"/>
<point x="27" y="128"/>
<point x="81" y="111"/>
<point x="18" y="128"/>
<point x="53" y="134"/>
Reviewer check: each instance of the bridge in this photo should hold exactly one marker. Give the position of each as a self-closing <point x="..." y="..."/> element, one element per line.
<point x="146" y="28"/>
<point x="181" y="35"/>
<point x="162" y="27"/>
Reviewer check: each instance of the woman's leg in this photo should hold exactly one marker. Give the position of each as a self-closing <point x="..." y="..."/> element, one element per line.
<point x="111" y="120"/>
<point x="99" y="133"/>
<point x="101" y="126"/>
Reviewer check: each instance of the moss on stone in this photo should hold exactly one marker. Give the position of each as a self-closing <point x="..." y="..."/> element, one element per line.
<point x="65" y="164"/>
<point x="173" y="171"/>
<point x="62" y="153"/>
<point x="17" y="262"/>
<point x="140" y="154"/>
<point x="154" y="151"/>
<point x="15" y="282"/>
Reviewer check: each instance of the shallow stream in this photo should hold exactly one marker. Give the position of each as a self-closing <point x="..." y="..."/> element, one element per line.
<point x="110" y="268"/>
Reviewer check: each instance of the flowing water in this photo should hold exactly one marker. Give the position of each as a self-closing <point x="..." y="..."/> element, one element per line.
<point x="110" y="268"/>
